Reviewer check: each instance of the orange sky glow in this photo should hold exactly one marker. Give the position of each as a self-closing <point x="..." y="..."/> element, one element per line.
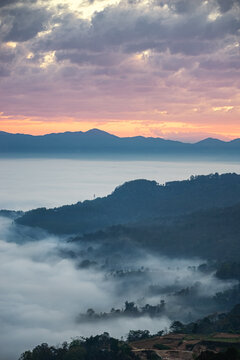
<point x="169" y="130"/>
<point x="166" y="69"/>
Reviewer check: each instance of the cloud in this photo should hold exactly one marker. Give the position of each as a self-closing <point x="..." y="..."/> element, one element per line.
<point x="14" y="26"/>
<point x="226" y="5"/>
<point x="4" y="3"/>
<point x="4" y="71"/>
<point x="135" y="29"/>
<point x="123" y="61"/>
<point x="221" y="65"/>
<point x="7" y="54"/>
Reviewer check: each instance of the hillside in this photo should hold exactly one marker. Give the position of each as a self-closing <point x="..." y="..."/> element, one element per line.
<point x="141" y="345"/>
<point x="138" y="201"/>
<point x="203" y="339"/>
<point x="217" y="346"/>
<point x="210" y="234"/>
<point x="224" y="322"/>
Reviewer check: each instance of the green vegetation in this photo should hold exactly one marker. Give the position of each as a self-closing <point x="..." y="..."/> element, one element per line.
<point x="136" y="335"/>
<point x="228" y="298"/>
<point x="229" y="322"/>
<point x="104" y="347"/>
<point x="212" y="234"/>
<point x="101" y="347"/>
<point x="138" y="201"/>
<point x="130" y="310"/>
<point x="11" y="214"/>
<point x="198" y="217"/>
<point x="228" y="270"/>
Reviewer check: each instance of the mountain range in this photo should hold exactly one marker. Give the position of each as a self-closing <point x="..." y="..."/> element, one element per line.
<point x="97" y="142"/>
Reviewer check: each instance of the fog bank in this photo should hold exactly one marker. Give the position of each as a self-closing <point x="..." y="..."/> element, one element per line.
<point x="29" y="183"/>
<point x="43" y="290"/>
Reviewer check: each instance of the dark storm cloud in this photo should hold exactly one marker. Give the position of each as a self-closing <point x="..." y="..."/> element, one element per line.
<point x="11" y="2"/>
<point x="7" y="57"/>
<point x="22" y="23"/>
<point x="77" y="57"/>
<point x="123" y="28"/>
<point x="180" y="6"/>
<point x="7" y="54"/>
<point x="184" y="6"/>
<point x="7" y="2"/>
<point x="132" y="29"/>
<point x="226" y="5"/>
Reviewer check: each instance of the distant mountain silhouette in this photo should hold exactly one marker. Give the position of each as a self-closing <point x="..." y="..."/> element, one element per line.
<point x="138" y="201"/>
<point x="210" y="142"/>
<point x="98" y="142"/>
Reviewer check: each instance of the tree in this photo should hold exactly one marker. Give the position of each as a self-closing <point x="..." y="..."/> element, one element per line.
<point x="177" y="327"/>
<point x="135" y="335"/>
<point x="27" y="355"/>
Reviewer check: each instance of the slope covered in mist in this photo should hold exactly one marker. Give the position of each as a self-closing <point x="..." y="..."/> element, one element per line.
<point x="138" y="201"/>
<point x="80" y="283"/>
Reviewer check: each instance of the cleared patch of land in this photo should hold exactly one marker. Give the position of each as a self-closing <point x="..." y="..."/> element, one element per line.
<point x="183" y="346"/>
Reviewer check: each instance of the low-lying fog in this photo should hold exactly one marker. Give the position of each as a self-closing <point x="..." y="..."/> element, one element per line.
<point x="47" y="285"/>
<point x="30" y="183"/>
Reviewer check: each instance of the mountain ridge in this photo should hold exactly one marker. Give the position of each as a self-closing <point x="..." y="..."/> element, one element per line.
<point x="136" y="201"/>
<point x="95" y="141"/>
<point x="99" y="131"/>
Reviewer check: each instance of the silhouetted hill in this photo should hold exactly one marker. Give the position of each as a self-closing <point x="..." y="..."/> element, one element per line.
<point x="211" y="142"/>
<point x="100" y="142"/>
<point x="211" y="234"/>
<point x="222" y="323"/>
<point x="12" y="214"/>
<point x="137" y="201"/>
<point x="100" y="347"/>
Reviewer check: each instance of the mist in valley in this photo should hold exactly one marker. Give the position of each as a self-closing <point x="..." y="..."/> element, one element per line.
<point x="54" y="288"/>
<point x="48" y="284"/>
<point x="36" y="182"/>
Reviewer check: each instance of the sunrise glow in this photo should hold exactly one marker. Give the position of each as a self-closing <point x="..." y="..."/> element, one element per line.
<point x="167" y="68"/>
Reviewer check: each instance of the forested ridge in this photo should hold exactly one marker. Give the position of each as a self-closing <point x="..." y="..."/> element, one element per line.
<point x="138" y="201"/>
<point x="210" y="234"/>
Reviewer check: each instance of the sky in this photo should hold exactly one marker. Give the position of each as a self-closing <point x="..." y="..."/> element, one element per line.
<point x="157" y="68"/>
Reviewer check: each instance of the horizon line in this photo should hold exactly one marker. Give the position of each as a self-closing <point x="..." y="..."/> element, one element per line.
<point x="120" y="137"/>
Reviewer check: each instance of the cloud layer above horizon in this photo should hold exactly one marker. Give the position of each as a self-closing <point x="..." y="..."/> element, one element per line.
<point x="151" y="67"/>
